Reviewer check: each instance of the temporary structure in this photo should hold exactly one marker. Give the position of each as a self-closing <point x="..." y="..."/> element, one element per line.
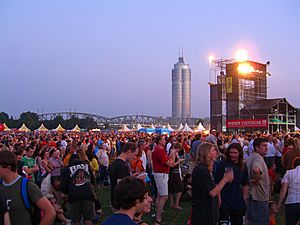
<point x="148" y="130"/>
<point x="6" y="127"/>
<point x="96" y="130"/>
<point x="24" y="128"/>
<point x="199" y="128"/>
<point x="152" y="126"/>
<point x="59" y="128"/>
<point x="180" y="127"/>
<point x="124" y="128"/>
<point x="138" y="126"/>
<point x="186" y="128"/>
<point x="169" y="128"/>
<point x="162" y="130"/>
<point x="42" y="128"/>
<point x="76" y="129"/>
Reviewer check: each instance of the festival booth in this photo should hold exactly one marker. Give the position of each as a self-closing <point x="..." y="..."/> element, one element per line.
<point x="147" y="130"/>
<point x="95" y="130"/>
<point x="186" y="128"/>
<point x="6" y="127"/>
<point x="152" y="126"/>
<point x="137" y="127"/>
<point x="170" y="128"/>
<point x="162" y="130"/>
<point x="23" y="128"/>
<point x="76" y="129"/>
<point x="200" y="128"/>
<point x="124" y="128"/>
<point x="42" y="128"/>
<point x="180" y="128"/>
<point x="59" y="128"/>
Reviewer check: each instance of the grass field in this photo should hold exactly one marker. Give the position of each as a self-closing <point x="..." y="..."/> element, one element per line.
<point x="170" y="216"/>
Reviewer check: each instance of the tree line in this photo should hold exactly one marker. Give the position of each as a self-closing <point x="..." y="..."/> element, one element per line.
<point x="33" y="122"/>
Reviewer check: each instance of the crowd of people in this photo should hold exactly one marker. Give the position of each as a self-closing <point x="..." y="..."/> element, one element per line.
<point x="228" y="178"/>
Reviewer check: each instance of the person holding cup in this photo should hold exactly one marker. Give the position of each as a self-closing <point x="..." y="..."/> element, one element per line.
<point x="205" y="192"/>
<point x="234" y="194"/>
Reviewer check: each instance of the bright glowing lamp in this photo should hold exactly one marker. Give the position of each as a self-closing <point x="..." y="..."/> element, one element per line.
<point x="210" y="59"/>
<point x="245" y="68"/>
<point x="241" y="55"/>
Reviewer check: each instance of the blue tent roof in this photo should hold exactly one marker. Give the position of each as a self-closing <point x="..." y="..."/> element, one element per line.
<point x="162" y="131"/>
<point x="147" y="130"/>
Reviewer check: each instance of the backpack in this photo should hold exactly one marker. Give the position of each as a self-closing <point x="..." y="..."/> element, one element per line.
<point x="34" y="211"/>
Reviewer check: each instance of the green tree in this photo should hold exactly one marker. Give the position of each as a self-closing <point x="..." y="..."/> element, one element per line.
<point x="4" y="118"/>
<point x="31" y="120"/>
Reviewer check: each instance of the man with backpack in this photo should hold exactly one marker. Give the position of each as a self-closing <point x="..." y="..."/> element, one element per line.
<point x="24" y="198"/>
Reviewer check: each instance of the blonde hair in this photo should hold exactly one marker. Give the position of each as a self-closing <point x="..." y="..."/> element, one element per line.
<point x="81" y="154"/>
<point x="203" y="155"/>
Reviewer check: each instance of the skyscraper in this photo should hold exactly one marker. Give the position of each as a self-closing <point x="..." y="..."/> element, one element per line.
<point x="181" y="90"/>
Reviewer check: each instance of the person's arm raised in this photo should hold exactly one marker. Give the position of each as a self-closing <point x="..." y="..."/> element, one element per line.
<point x="228" y="177"/>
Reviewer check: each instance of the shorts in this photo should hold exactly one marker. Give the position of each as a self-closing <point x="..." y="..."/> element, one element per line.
<point x="161" y="180"/>
<point x="84" y="208"/>
<point x="258" y="212"/>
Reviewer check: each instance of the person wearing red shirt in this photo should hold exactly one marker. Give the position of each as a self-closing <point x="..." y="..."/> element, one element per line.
<point x="161" y="168"/>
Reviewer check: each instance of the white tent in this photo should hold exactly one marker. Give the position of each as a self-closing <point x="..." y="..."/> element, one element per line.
<point x="169" y="127"/>
<point x="59" y="128"/>
<point x="152" y="126"/>
<point x="186" y="128"/>
<point x="96" y="130"/>
<point x="42" y="128"/>
<point x="124" y="128"/>
<point x="199" y="128"/>
<point x="180" y="127"/>
<point x="297" y="129"/>
<point x="6" y="127"/>
<point x="138" y="126"/>
<point x="24" y="128"/>
<point x="76" y="129"/>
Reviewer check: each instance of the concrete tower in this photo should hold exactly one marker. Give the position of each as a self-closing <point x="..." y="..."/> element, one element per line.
<point x="181" y="90"/>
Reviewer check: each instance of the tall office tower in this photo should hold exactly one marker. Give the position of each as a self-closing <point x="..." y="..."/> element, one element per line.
<point x="181" y="90"/>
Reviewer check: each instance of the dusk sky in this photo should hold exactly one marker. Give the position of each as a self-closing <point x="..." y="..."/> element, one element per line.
<point x="115" y="57"/>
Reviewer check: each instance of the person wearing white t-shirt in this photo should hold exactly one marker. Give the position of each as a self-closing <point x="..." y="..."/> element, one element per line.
<point x="290" y="184"/>
<point x="270" y="156"/>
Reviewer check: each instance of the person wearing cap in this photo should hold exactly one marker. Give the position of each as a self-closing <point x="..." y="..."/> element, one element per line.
<point x="212" y="137"/>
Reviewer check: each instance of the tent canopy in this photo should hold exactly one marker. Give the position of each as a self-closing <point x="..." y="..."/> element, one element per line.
<point x="147" y="130"/>
<point x="42" y="128"/>
<point x="24" y="128"/>
<point x="200" y="128"/>
<point x="96" y="130"/>
<point x="59" y="128"/>
<point x="186" y="128"/>
<point x="6" y="127"/>
<point x="124" y="128"/>
<point x="180" y="127"/>
<point x="162" y="130"/>
<point x="76" y="128"/>
<point x="169" y="127"/>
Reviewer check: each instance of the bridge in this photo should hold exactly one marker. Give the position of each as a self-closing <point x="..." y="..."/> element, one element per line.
<point x="119" y="120"/>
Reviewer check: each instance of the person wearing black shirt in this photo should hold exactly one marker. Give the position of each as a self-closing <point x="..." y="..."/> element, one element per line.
<point x="4" y="210"/>
<point x="234" y="194"/>
<point x="119" y="168"/>
<point x="205" y="192"/>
